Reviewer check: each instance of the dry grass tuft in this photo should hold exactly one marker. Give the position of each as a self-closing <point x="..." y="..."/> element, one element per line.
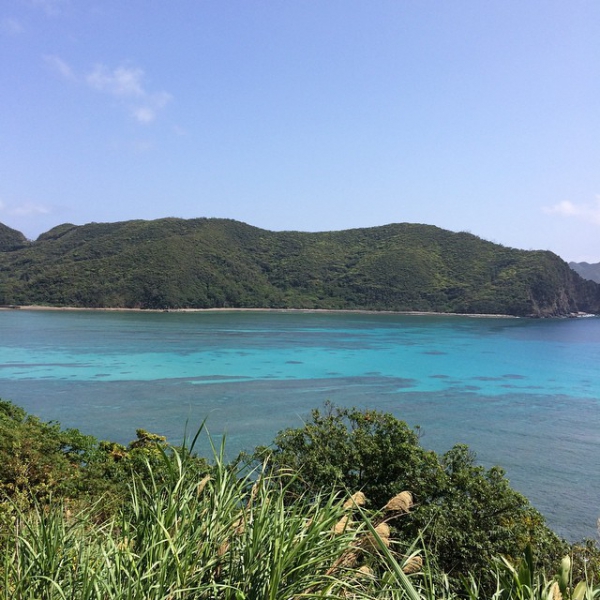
<point x="202" y="485"/>
<point x="365" y="571"/>
<point x="413" y="565"/>
<point x="383" y="531"/>
<point x="357" y="499"/>
<point x="253" y="494"/>
<point x="239" y="526"/>
<point x="347" y="560"/>
<point x="554" y="592"/>
<point x="400" y="503"/>
<point x="342" y="525"/>
<point x="223" y="548"/>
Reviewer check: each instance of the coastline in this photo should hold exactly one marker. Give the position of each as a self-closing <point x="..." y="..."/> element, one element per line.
<point x="416" y="313"/>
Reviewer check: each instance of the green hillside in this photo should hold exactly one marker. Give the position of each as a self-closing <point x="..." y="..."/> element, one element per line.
<point x="10" y="239"/>
<point x="589" y="271"/>
<point x="206" y="263"/>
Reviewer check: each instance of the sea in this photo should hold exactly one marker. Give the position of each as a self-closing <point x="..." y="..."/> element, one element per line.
<point x="524" y="394"/>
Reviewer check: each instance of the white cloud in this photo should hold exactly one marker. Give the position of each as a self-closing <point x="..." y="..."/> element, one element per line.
<point x="145" y="113"/>
<point x="586" y="212"/>
<point x="124" y="83"/>
<point x="127" y="85"/>
<point x="120" y="82"/>
<point x="60" y="67"/>
<point x="11" y="26"/>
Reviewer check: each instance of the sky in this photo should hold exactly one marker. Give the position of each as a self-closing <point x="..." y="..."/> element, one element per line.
<point x="308" y="115"/>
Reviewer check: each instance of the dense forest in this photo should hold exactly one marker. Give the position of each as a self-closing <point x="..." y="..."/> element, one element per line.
<point x="209" y="263"/>
<point x="347" y="506"/>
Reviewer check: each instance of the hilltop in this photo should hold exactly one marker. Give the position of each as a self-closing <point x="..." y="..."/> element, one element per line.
<point x="589" y="271"/>
<point x="11" y="239"/>
<point x="212" y="263"/>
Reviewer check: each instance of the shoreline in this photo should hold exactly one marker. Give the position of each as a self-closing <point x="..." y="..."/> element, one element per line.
<point x="417" y="313"/>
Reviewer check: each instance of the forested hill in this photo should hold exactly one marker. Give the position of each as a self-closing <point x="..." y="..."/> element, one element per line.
<point x="11" y="239"/>
<point x="587" y="270"/>
<point x="203" y="263"/>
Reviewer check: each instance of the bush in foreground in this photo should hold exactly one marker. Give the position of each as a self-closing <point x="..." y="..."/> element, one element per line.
<point x="465" y="514"/>
<point x="82" y="519"/>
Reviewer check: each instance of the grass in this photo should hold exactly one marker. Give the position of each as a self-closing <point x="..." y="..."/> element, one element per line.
<point x="229" y="535"/>
<point x="233" y="535"/>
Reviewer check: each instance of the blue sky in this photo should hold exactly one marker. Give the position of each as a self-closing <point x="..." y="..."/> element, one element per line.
<point x="309" y="115"/>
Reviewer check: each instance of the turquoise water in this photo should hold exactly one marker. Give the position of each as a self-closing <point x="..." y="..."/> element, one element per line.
<point x="524" y="394"/>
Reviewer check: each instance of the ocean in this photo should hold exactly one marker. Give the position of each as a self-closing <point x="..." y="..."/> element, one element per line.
<point x="523" y="394"/>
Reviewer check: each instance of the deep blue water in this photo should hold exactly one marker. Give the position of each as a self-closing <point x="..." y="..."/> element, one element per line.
<point x="524" y="394"/>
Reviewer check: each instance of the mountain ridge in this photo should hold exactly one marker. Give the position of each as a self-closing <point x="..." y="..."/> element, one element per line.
<point x="220" y="263"/>
<point x="587" y="270"/>
<point x="11" y="239"/>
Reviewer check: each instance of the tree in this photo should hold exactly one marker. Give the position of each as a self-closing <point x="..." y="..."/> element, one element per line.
<point x="465" y="514"/>
<point x="40" y="463"/>
<point x="39" y="459"/>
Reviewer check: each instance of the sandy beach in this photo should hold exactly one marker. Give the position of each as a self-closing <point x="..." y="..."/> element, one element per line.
<point x="269" y="310"/>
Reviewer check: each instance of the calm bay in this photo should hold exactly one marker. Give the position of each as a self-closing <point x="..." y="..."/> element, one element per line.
<point x="523" y="394"/>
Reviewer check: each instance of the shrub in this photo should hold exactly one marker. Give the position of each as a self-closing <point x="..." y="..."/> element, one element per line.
<point x="465" y="514"/>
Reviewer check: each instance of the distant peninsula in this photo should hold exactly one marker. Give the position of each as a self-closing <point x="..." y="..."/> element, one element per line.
<point x="587" y="270"/>
<point x="221" y="263"/>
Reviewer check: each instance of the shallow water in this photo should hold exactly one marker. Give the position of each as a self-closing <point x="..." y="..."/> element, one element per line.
<point x="524" y="394"/>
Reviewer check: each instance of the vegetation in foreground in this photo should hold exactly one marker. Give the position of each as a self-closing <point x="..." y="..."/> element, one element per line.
<point x="349" y="506"/>
<point x="216" y="263"/>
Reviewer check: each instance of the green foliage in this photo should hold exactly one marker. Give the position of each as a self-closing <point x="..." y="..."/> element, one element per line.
<point x="11" y="239"/>
<point x="230" y="535"/>
<point x="465" y="514"/>
<point x="38" y="459"/>
<point x="219" y="263"/>
<point x="349" y="449"/>
<point x="522" y="581"/>
<point x="90" y="520"/>
<point x="40" y="463"/>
